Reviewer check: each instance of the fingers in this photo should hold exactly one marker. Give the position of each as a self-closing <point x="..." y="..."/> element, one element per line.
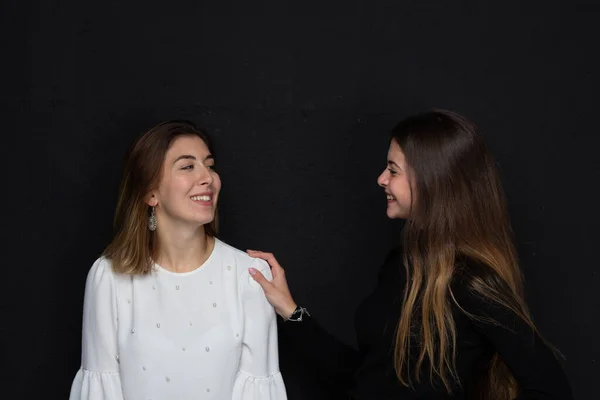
<point x="269" y="258"/>
<point x="260" y="278"/>
<point x="276" y="294"/>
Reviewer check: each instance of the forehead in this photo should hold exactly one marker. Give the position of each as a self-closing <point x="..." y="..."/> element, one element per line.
<point x="189" y="145"/>
<point x="395" y="152"/>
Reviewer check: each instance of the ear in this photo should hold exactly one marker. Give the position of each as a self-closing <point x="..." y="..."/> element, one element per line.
<point x="151" y="199"/>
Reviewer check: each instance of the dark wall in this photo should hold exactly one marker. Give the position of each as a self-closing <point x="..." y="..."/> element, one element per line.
<point x="299" y="97"/>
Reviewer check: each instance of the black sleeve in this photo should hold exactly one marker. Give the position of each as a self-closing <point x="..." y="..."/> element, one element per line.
<point x="532" y="363"/>
<point x="333" y="362"/>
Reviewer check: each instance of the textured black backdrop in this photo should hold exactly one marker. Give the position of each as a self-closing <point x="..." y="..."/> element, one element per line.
<point x="299" y="97"/>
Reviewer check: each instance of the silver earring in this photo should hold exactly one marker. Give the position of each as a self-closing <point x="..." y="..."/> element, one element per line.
<point x="152" y="223"/>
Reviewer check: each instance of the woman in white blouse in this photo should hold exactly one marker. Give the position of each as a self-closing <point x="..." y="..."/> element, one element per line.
<point x="170" y="311"/>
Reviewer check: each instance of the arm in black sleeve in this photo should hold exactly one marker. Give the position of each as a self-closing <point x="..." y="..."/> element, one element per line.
<point x="333" y="362"/>
<point x="532" y="363"/>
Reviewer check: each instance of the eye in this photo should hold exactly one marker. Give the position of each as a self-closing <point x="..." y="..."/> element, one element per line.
<point x="392" y="172"/>
<point x="188" y="167"/>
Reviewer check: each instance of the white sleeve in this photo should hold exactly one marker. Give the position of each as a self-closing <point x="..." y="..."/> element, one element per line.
<point x="259" y="377"/>
<point x="98" y="378"/>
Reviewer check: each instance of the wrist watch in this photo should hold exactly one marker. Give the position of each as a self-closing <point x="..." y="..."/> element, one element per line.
<point x="298" y="314"/>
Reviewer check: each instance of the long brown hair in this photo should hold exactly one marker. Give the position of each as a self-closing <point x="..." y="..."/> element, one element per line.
<point x="133" y="246"/>
<point x="459" y="212"/>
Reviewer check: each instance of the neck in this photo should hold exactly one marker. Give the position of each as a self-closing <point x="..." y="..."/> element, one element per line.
<point x="183" y="249"/>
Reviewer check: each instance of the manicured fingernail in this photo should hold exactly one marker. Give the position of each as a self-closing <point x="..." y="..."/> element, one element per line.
<point x="252" y="271"/>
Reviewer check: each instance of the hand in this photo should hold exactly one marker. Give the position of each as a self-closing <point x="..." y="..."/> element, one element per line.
<point x="277" y="291"/>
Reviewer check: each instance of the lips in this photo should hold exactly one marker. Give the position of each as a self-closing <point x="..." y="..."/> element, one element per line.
<point x="204" y="199"/>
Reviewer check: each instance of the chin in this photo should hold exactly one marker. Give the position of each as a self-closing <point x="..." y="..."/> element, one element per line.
<point x="205" y="221"/>
<point x="202" y="219"/>
<point x="395" y="214"/>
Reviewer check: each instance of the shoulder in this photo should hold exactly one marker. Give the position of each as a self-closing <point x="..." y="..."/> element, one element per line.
<point x="102" y="276"/>
<point x="470" y="274"/>
<point x="467" y="273"/>
<point x="101" y="270"/>
<point x="240" y="260"/>
<point x="101" y="281"/>
<point x="478" y="289"/>
<point x="232" y="254"/>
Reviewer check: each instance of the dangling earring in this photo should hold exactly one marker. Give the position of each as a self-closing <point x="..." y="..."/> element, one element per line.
<point x="152" y="223"/>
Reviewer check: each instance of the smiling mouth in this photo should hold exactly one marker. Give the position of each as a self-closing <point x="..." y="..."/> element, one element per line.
<point x="390" y="197"/>
<point x="204" y="198"/>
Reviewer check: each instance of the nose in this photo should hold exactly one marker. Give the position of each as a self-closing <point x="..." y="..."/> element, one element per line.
<point x="383" y="178"/>
<point x="205" y="177"/>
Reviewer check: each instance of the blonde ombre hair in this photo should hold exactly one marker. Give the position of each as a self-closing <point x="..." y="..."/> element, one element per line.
<point x="460" y="213"/>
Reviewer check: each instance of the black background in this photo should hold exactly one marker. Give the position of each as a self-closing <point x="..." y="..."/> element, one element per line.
<point x="299" y="98"/>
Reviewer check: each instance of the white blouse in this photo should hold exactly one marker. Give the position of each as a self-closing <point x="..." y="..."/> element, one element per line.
<point x="205" y="334"/>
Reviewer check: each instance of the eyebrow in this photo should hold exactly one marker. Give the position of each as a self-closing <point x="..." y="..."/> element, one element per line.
<point x="390" y="162"/>
<point x="191" y="157"/>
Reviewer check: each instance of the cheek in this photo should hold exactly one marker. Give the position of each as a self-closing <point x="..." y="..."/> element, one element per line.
<point x="174" y="186"/>
<point x="179" y="184"/>
<point x="216" y="183"/>
<point x="401" y="191"/>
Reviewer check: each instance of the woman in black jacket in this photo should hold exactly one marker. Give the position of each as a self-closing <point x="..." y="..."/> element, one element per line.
<point x="448" y="319"/>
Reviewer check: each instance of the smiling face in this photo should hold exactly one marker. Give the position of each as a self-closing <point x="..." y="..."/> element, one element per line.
<point x="395" y="179"/>
<point x="189" y="187"/>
